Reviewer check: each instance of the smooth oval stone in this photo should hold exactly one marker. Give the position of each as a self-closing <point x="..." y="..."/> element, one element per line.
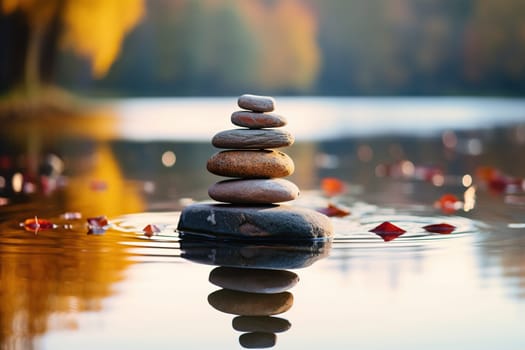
<point x="253" y="280"/>
<point x="258" y="120"/>
<point x="257" y="340"/>
<point x="256" y="103"/>
<point x="251" y="164"/>
<point x="260" y="324"/>
<point x="250" y="304"/>
<point x="271" y="222"/>
<point x="252" y="253"/>
<point x="254" y="191"/>
<point x="252" y="138"/>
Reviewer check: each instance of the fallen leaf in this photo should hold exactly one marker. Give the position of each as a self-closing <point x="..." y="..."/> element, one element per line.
<point x="447" y="203"/>
<point x="35" y="224"/>
<point x="442" y="228"/>
<point x="332" y="186"/>
<point x="98" y="221"/>
<point x="496" y="181"/>
<point x="332" y="210"/>
<point x="150" y="230"/>
<point x="387" y="231"/>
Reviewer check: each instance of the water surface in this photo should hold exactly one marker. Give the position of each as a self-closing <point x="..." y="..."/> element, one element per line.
<point x="72" y="287"/>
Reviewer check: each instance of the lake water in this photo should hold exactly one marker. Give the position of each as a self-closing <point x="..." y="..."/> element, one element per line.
<point x="139" y="161"/>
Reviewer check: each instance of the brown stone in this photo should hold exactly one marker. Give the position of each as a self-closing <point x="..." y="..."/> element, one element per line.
<point x="256" y="103"/>
<point x="251" y="164"/>
<point x="253" y="280"/>
<point x="250" y="304"/>
<point x="254" y="191"/>
<point x="252" y="138"/>
<point x="258" y="120"/>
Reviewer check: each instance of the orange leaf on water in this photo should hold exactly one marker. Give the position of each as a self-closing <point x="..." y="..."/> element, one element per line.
<point x="332" y="186"/>
<point x="98" y="221"/>
<point x="332" y="210"/>
<point x="442" y="228"/>
<point x="35" y="224"/>
<point x="387" y="231"/>
<point x="447" y="203"/>
<point x="150" y="230"/>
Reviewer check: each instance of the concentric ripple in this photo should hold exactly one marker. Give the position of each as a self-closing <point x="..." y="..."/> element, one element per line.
<point x="350" y="232"/>
<point x="163" y="245"/>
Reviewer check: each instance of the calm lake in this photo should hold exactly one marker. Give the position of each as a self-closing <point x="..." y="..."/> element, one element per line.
<point x="71" y="280"/>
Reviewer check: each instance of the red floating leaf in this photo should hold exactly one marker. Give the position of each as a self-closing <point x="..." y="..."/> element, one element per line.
<point x="332" y="210"/>
<point x="332" y="186"/>
<point x="35" y="224"/>
<point x="388" y="231"/>
<point x="98" y="221"/>
<point x="447" y="203"/>
<point x="504" y="183"/>
<point x="496" y="181"/>
<point x="442" y="228"/>
<point x="150" y="230"/>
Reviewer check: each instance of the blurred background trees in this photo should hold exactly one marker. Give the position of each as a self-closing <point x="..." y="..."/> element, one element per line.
<point x="32" y="31"/>
<point x="225" y="47"/>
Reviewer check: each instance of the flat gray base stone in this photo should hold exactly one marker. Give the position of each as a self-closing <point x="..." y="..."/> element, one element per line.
<point x="270" y="222"/>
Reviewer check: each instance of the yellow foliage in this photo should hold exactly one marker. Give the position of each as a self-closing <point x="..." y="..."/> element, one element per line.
<point x="96" y="29"/>
<point x="93" y="29"/>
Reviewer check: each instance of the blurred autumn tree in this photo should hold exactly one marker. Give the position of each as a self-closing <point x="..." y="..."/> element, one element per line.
<point x="219" y="47"/>
<point x="35" y="29"/>
<point x="325" y="47"/>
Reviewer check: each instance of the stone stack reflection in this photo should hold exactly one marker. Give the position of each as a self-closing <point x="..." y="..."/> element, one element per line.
<point x="255" y="296"/>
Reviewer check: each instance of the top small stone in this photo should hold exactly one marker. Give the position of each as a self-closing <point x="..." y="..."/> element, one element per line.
<point x="256" y="103"/>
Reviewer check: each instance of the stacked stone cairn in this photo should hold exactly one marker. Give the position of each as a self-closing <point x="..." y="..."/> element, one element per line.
<point x="251" y="157"/>
<point x="256" y="185"/>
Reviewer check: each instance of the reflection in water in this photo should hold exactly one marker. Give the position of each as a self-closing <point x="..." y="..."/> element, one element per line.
<point x="256" y="307"/>
<point x="254" y="283"/>
<point x="47" y="280"/>
<point x="56" y="169"/>
<point x="253" y="255"/>
<point x="55" y="165"/>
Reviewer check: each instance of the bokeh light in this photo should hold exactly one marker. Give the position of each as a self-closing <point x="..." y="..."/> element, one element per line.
<point x="168" y="159"/>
